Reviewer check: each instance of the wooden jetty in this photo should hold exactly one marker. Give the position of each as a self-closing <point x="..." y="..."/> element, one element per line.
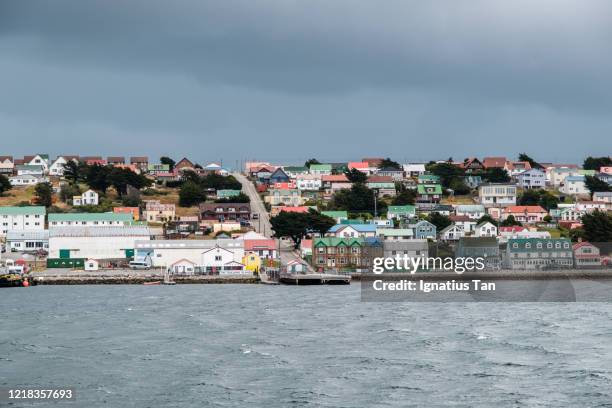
<point x="313" y="278"/>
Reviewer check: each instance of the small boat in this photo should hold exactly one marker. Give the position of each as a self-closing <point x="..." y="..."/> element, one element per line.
<point x="152" y="283"/>
<point x="167" y="280"/>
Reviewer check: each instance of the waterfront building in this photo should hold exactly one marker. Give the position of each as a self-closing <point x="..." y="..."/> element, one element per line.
<point x="25" y="218"/>
<point x="536" y="253"/>
<point x="89" y="219"/>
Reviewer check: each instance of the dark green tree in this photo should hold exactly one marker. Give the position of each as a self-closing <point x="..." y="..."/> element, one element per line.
<point x="5" y="184"/>
<point x="441" y="221"/>
<point x="97" y="177"/>
<point x="595" y="163"/>
<point x="359" y="198"/>
<point x="68" y="191"/>
<point x="459" y="187"/>
<point x="525" y="158"/>
<point x="447" y="172"/>
<point x="43" y="194"/>
<point x="191" y="194"/>
<point x="510" y="222"/>
<point x="240" y="198"/>
<point x="389" y="164"/>
<point x="74" y="171"/>
<point x="487" y="218"/>
<point x="405" y="196"/>
<point x="290" y="225"/>
<point x="596" y="185"/>
<point x="495" y="175"/>
<point x="356" y="176"/>
<point x="597" y="226"/>
<point x="318" y="222"/>
<point x="167" y="160"/>
<point x="311" y="161"/>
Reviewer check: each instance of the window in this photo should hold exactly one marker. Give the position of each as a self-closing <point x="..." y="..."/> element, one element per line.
<point x="217" y="257"/>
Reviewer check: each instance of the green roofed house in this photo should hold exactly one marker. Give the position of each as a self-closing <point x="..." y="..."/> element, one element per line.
<point x="428" y="179"/>
<point x="227" y="193"/>
<point x="25" y="218"/>
<point x="401" y="212"/>
<point x="429" y="193"/>
<point x="339" y="216"/>
<point x="320" y="169"/>
<point x="539" y="253"/>
<point x="155" y="168"/>
<point x="89" y="219"/>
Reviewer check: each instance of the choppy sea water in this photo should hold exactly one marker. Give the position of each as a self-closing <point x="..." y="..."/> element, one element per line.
<point x="263" y="346"/>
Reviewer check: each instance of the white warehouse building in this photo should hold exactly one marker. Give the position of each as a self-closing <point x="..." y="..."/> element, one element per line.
<point x="105" y="242"/>
<point x="223" y="256"/>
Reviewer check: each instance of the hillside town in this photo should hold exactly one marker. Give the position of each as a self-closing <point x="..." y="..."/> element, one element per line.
<point x="93" y="213"/>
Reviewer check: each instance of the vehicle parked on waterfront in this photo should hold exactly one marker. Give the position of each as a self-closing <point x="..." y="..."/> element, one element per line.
<point x="140" y="264"/>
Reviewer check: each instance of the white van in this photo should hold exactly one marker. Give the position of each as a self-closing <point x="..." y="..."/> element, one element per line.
<point x="144" y="263"/>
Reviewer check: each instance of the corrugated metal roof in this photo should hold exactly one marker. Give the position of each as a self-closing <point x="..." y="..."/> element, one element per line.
<point x="16" y="235"/>
<point x="32" y="210"/>
<point x="103" y="231"/>
<point x="90" y="217"/>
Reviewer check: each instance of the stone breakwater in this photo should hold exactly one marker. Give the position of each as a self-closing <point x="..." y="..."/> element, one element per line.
<point x="139" y="280"/>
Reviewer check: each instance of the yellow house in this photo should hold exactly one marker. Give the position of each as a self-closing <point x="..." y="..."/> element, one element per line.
<point x="252" y="262"/>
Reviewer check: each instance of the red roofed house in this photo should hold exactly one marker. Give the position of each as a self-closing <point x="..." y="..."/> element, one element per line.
<point x="517" y="167"/>
<point x="586" y="255"/>
<point x="525" y="213"/>
<point x="361" y="166"/>
<point x="472" y="164"/>
<point x="281" y="208"/>
<point x="93" y="160"/>
<point x="514" y="228"/>
<point x="265" y="248"/>
<point x="494" y="162"/>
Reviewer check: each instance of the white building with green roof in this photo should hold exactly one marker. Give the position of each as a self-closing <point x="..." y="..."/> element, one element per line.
<point x="401" y="212"/>
<point x="89" y="219"/>
<point x="22" y="218"/>
<point x="321" y="169"/>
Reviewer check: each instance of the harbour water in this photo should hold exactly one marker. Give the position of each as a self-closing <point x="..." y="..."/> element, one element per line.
<point x="270" y="346"/>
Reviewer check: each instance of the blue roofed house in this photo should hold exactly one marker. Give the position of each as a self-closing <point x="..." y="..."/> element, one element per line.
<point x="279" y="176"/>
<point x="352" y="231"/>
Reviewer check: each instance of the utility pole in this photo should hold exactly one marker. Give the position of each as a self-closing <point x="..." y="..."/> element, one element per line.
<point x="375" y="197"/>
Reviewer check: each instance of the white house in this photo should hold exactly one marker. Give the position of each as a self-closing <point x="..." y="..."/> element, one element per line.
<point x="574" y="185"/>
<point x="27" y="240"/>
<point x="308" y="182"/>
<point x="603" y="196"/>
<point x="452" y="233"/>
<point x="532" y="179"/>
<point x="89" y="197"/>
<point x="6" y="165"/>
<point x="485" y="229"/>
<point x="41" y="160"/>
<point x="27" y="180"/>
<point x="473" y="211"/>
<point x="413" y="169"/>
<point x="557" y="175"/>
<point x="91" y="265"/>
<point x="222" y="256"/>
<point x="497" y="194"/>
<point x="30" y="170"/>
<point x="22" y="218"/>
<point x="57" y="167"/>
<point x="353" y="230"/>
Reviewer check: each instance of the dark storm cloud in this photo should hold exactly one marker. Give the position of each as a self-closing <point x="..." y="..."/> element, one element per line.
<point x="396" y="73"/>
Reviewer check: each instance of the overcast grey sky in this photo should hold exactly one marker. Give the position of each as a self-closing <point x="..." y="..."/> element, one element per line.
<point x="287" y="79"/>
